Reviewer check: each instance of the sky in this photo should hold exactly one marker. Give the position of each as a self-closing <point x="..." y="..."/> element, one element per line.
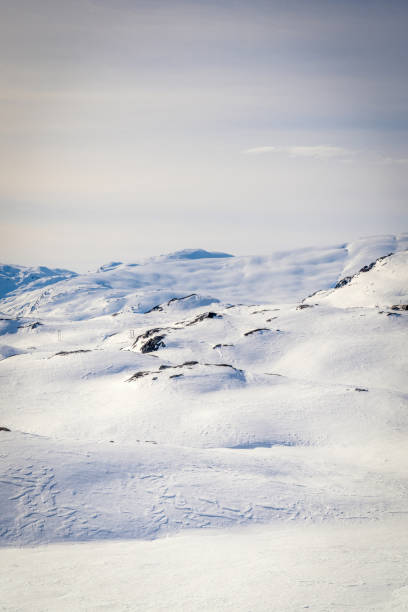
<point x="132" y="128"/>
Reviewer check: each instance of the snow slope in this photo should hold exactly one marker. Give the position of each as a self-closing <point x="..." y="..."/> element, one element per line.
<point x="385" y="285"/>
<point x="354" y="567"/>
<point x="144" y="400"/>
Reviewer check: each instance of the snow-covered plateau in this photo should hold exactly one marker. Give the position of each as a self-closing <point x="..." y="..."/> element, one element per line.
<point x="198" y="431"/>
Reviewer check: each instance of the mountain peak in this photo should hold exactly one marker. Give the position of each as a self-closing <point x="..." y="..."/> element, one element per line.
<point x="197" y="254"/>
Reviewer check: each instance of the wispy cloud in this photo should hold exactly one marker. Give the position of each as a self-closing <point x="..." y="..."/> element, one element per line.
<point x="315" y="152"/>
<point x="395" y="161"/>
<point x="328" y="152"/>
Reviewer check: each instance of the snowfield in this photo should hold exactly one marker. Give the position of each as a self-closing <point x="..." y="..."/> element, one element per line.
<point x="261" y="398"/>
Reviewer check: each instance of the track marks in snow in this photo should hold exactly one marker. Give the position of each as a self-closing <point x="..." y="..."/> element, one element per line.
<point x="35" y="496"/>
<point x="36" y="514"/>
<point x="128" y="496"/>
<point x="176" y="504"/>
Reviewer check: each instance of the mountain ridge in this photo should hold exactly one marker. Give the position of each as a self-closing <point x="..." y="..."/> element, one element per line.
<point x="115" y="287"/>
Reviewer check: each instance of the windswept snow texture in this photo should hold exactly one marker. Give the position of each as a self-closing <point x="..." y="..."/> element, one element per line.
<point x="150" y="400"/>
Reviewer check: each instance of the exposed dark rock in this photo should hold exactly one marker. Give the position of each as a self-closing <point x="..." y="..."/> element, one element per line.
<point x="186" y="297"/>
<point x="163" y="367"/>
<point x="260" y="329"/>
<point x="203" y="316"/>
<point x="311" y="295"/>
<point x="153" y="344"/>
<point x="4" y="429"/>
<point x="147" y="334"/>
<point x="303" y="306"/>
<point x="63" y="353"/>
<point x="271" y="319"/>
<point x="216" y="346"/>
<point x="360" y="389"/>
<point x="137" y="375"/>
<point x="159" y="307"/>
<point x="399" y="307"/>
<point x="368" y="268"/>
<point x="261" y="311"/>
<point x="186" y="363"/>
<point x="31" y="325"/>
<point x="342" y="282"/>
<point x="225" y="365"/>
<point x="372" y="264"/>
<point x="393" y="314"/>
<point x="345" y="281"/>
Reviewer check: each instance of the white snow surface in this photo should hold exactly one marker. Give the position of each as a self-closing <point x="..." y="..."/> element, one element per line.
<point x="355" y="567"/>
<point x="279" y="426"/>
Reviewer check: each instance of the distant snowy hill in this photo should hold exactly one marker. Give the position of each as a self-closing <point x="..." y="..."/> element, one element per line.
<point x="22" y="278"/>
<point x="195" y="254"/>
<point x="117" y="287"/>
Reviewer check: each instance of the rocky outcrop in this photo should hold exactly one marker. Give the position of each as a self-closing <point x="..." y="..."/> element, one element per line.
<point x="204" y="316"/>
<point x="254" y="331"/>
<point x="193" y="300"/>
<point x="187" y="365"/>
<point x="346" y="280"/>
<point x="182" y="365"/>
<point x="181" y="299"/>
<point x="138" y="375"/>
<point x="63" y="353"/>
<point x="147" y="334"/>
<point x="151" y="340"/>
<point x="153" y="344"/>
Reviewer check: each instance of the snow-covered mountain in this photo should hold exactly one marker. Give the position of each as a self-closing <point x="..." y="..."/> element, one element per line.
<point x="15" y="278"/>
<point x="117" y="287"/>
<point x="384" y="285"/>
<point x="205" y="390"/>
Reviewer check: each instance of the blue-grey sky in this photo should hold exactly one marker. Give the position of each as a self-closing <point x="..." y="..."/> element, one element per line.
<point x="131" y="128"/>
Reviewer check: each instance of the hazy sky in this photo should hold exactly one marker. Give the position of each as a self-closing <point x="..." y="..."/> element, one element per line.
<point x="132" y="128"/>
